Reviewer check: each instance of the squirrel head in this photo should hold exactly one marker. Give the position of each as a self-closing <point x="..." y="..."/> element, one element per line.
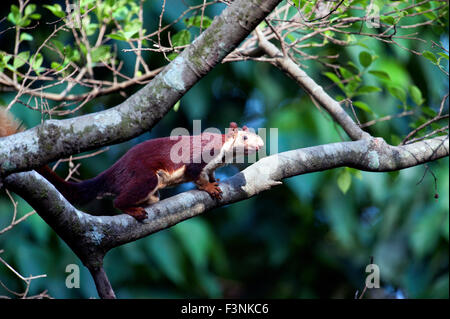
<point x="242" y="142"/>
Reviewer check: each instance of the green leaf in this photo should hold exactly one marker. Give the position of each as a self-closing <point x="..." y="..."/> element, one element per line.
<point x="296" y="3"/>
<point x="14" y="16"/>
<point x="333" y="77"/>
<point x="351" y="87"/>
<point x="90" y="28"/>
<point x="438" y="29"/>
<point x="55" y="9"/>
<point x="74" y="55"/>
<point x="361" y="44"/>
<point x="430" y="56"/>
<point x="344" y="181"/>
<point x="26" y="37"/>
<point x="328" y="33"/>
<point x="24" y="22"/>
<point x="4" y="60"/>
<point x="100" y="53"/>
<point x="430" y="15"/>
<point x="131" y="29"/>
<point x="380" y="74"/>
<point x="176" y="106"/>
<point x="196" y="21"/>
<point x="262" y="25"/>
<point x="181" y="38"/>
<point x="56" y="66"/>
<point x="416" y="95"/>
<point x="365" y="58"/>
<point x="368" y="89"/>
<point x="172" y="56"/>
<point x="83" y="48"/>
<point x="345" y="73"/>
<point x="116" y="36"/>
<point x="21" y="59"/>
<point x="398" y="92"/>
<point x="29" y="9"/>
<point x="363" y="106"/>
<point x="5" y="57"/>
<point x="59" y="46"/>
<point x="395" y="139"/>
<point x="388" y="20"/>
<point x="15" y="9"/>
<point x="87" y="3"/>
<point x="428" y="111"/>
<point x="355" y="172"/>
<point x="353" y="65"/>
<point x="35" y="16"/>
<point x="444" y="55"/>
<point x="394" y="174"/>
<point x="38" y="59"/>
<point x="121" y="13"/>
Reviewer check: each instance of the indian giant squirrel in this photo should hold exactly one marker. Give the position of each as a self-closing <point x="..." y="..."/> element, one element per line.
<point x="134" y="180"/>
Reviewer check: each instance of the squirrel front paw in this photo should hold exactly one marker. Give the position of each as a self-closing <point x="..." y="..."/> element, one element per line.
<point x="212" y="189"/>
<point x="138" y="213"/>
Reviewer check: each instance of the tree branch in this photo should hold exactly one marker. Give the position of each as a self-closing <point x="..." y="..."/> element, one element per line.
<point x="91" y="237"/>
<point x="102" y="283"/>
<point x="55" y="139"/>
<point x="288" y="66"/>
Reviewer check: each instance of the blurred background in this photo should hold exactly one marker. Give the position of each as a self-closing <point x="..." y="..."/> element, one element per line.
<point x="311" y="237"/>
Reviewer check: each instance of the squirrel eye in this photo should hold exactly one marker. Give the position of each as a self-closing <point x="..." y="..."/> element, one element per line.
<point x="245" y="137"/>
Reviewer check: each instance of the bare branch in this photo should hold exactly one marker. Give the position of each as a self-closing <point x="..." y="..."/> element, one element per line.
<point x="424" y="125"/>
<point x="291" y="68"/>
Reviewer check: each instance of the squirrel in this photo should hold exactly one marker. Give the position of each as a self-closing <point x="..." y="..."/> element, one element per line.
<point x="135" y="179"/>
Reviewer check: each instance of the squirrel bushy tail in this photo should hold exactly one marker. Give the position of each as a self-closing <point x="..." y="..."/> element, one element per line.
<point x="74" y="192"/>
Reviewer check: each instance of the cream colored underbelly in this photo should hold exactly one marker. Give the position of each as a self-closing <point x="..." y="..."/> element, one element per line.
<point x="166" y="179"/>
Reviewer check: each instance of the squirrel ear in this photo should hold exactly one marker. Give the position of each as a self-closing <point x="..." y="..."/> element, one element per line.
<point x="232" y="130"/>
<point x="245" y="128"/>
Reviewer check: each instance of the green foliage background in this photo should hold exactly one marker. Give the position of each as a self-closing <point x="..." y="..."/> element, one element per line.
<point x="304" y="239"/>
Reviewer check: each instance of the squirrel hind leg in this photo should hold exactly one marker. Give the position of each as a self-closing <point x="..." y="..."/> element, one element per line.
<point x="138" y="193"/>
<point x="138" y="213"/>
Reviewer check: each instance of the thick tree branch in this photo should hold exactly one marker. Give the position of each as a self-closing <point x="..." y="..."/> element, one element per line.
<point x="102" y="283"/>
<point x="90" y="237"/>
<point x="288" y="66"/>
<point x="60" y="138"/>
